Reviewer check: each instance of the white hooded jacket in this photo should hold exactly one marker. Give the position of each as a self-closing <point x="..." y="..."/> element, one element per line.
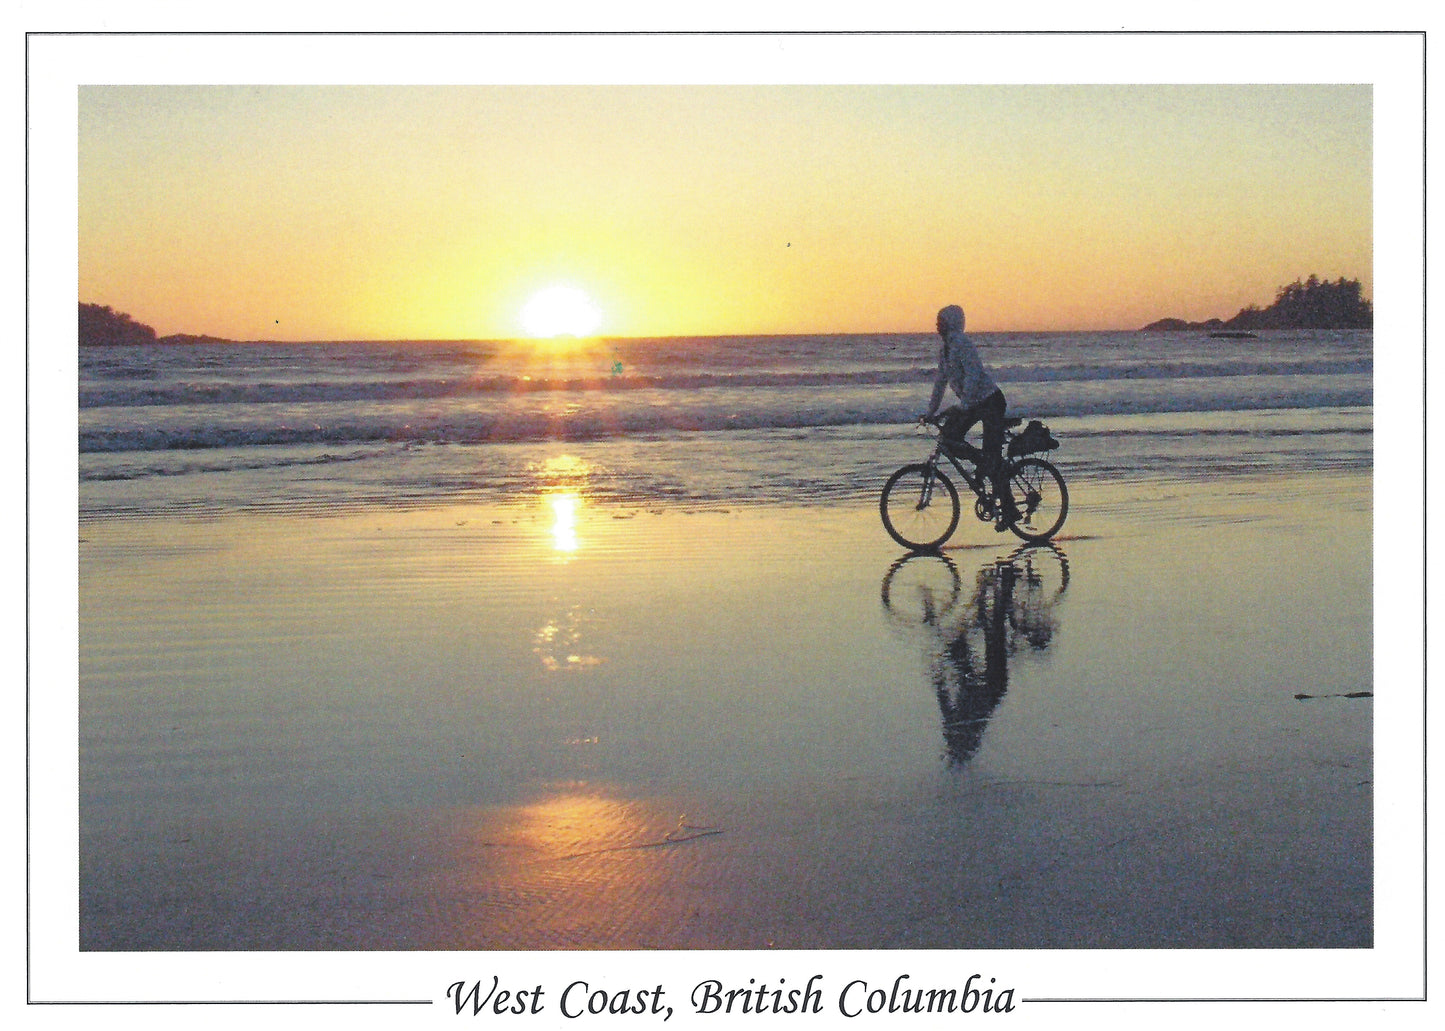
<point x="959" y="364"/>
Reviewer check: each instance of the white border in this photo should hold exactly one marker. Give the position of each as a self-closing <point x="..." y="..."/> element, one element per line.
<point x="58" y="64"/>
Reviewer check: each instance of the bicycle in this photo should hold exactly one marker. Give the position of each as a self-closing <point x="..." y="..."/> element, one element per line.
<point x="920" y="505"/>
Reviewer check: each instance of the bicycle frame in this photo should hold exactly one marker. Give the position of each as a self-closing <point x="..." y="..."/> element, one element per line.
<point x="980" y="484"/>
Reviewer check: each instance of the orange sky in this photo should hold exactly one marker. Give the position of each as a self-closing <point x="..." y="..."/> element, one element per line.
<point x="437" y="212"/>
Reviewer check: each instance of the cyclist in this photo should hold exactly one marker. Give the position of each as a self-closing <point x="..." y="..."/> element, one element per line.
<point x="982" y="401"/>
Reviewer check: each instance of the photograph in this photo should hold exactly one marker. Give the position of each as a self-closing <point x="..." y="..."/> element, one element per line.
<point x="906" y="524"/>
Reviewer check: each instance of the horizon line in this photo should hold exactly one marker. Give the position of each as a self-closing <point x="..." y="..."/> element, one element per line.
<point x="563" y="338"/>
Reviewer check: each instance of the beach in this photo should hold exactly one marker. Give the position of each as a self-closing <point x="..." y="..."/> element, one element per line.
<point x="568" y="719"/>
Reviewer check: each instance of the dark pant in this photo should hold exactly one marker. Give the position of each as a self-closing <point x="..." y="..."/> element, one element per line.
<point x="991" y="411"/>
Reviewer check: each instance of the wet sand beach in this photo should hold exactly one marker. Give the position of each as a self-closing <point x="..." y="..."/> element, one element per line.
<point x="569" y="725"/>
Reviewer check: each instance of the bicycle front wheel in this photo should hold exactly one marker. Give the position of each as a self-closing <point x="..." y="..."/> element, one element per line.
<point x="919" y="507"/>
<point x="1042" y="499"/>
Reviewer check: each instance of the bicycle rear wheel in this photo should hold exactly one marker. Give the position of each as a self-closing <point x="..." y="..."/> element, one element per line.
<point x="1041" y="497"/>
<point x="919" y="507"/>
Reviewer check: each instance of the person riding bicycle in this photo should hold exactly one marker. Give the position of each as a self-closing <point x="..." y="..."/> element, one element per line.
<point x="960" y="366"/>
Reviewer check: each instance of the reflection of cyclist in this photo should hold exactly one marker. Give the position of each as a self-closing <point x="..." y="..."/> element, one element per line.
<point x="1012" y="606"/>
<point x="960" y="366"/>
<point x="978" y="687"/>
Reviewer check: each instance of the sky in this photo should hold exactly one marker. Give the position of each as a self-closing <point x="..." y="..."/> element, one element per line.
<point x="393" y="212"/>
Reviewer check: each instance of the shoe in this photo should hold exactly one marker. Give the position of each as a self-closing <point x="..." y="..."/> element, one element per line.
<point x="1009" y="516"/>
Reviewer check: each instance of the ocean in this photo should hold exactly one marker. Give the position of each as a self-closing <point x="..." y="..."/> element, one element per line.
<point x="697" y="422"/>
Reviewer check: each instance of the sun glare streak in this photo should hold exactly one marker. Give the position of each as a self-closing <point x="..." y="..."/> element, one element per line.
<point x="570" y="823"/>
<point x="558" y="645"/>
<point x="563" y="467"/>
<point x="564" y="522"/>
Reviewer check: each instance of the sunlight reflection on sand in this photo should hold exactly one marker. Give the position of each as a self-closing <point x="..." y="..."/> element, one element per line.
<point x="419" y="729"/>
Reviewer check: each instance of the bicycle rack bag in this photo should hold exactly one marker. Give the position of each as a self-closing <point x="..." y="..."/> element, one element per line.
<point x="1034" y="437"/>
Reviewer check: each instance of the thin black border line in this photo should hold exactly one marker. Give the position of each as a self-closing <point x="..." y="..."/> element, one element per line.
<point x="1424" y="130"/>
<point x="1424" y="510"/>
<point x="230" y="1002"/>
<point x="723" y="33"/>
<point x="1192" y="1001"/>
<point x="29" y="500"/>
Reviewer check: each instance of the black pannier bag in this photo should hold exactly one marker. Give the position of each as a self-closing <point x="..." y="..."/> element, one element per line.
<point x="1033" y="437"/>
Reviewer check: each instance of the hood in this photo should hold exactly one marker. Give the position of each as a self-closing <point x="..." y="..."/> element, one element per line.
<point x="950" y="320"/>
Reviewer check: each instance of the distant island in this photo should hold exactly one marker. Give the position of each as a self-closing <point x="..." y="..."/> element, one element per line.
<point x="100" y="325"/>
<point x="1312" y="304"/>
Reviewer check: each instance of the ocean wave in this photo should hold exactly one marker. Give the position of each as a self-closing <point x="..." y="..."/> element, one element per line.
<point x="809" y="465"/>
<point x="326" y="427"/>
<point x="150" y="394"/>
<point x="234" y="461"/>
<point x="474" y="424"/>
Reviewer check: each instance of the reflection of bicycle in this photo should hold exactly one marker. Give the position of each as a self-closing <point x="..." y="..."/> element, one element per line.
<point x="1041" y="576"/>
<point x="923" y="587"/>
<point x="920" y="589"/>
<point x="976" y="630"/>
<point x="920" y="505"/>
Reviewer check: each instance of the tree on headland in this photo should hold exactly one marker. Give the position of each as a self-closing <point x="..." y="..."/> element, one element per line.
<point x="99" y="324"/>
<point x="1316" y="304"/>
<point x="1312" y="304"/>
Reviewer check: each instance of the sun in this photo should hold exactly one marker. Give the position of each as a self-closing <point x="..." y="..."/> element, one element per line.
<point x="560" y="311"/>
